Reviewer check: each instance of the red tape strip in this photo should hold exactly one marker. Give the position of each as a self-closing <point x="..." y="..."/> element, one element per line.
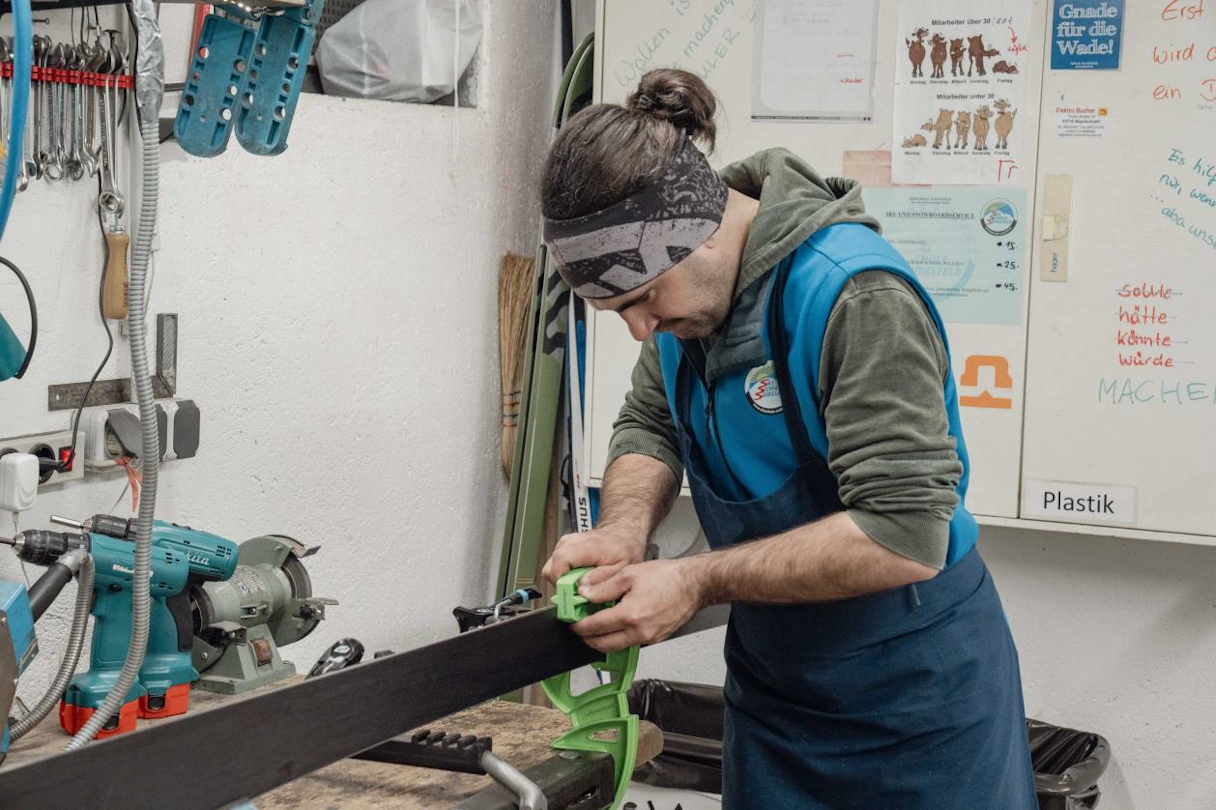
<point x="38" y="73"/>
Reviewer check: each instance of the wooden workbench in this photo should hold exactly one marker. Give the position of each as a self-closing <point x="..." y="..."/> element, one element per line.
<point x="521" y="734"/>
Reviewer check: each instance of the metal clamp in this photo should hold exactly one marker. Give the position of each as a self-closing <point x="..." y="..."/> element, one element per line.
<point x="461" y="753"/>
<point x="530" y="796"/>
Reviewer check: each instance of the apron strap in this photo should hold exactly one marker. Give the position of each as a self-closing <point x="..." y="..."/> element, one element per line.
<point x="816" y="475"/>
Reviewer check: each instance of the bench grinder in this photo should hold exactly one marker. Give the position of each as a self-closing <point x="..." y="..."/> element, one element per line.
<point x="241" y="623"/>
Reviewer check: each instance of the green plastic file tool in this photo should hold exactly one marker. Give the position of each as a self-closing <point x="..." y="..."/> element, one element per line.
<point x="600" y="716"/>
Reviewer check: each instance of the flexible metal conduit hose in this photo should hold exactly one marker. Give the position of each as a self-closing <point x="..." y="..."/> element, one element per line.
<point x="149" y="91"/>
<point x="71" y="656"/>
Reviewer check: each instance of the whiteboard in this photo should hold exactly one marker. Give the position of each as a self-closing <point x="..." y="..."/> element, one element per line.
<point x="716" y="40"/>
<point x="1140" y="282"/>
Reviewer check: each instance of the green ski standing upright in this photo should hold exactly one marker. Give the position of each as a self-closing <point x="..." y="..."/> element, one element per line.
<point x="543" y="379"/>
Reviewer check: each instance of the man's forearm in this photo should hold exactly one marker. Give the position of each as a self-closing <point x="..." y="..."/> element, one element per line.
<point x="637" y="494"/>
<point x="824" y="561"/>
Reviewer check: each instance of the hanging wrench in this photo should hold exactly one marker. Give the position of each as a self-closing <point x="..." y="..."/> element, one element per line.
<point x="55" y="165"/>
<point x="112" y="107"/>
<point x="75" y="160"/>
<point x="39" y="157"/>
<point x="112" y="204"/>
<point x="5" y="57"/>
<point x="5" y="112"/>
<point x="99" y="62"/>
<point x="119" y="57"/>
<point x="27" y="164"/>
<point x="46" y="145"/>
<point x="85" y="111"/>
<point x="6" y="99"/>
<point x="111" y="199"/>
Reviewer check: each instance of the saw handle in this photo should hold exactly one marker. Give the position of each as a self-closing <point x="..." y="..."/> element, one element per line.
<point x="114" y="288"/>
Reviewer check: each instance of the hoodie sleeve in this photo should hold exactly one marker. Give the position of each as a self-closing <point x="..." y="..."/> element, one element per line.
<point x="644" y="425"/>
<point x="880" y="392"/>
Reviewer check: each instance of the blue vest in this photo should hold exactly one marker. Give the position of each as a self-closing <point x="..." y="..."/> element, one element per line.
<point x="753" y="455"/>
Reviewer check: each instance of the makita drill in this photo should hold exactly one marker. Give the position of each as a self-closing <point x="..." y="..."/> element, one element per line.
<point x="181" y="557"/>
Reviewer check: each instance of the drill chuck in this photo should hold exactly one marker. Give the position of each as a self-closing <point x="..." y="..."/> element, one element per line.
<point x="109" y="525"/>
<point x="112" y="526"/>
<point x="42" y="547"/>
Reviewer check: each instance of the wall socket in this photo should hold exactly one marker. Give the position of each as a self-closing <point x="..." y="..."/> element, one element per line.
<point x="177" y="423"/>
<point x="55" y="446"/>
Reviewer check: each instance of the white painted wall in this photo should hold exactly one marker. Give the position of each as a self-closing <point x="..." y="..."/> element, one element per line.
<point x="1115" y="636"/>
<point x="338" y="312"/>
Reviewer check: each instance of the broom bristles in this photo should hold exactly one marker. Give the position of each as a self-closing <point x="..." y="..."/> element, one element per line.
<point x="515" y="284"/>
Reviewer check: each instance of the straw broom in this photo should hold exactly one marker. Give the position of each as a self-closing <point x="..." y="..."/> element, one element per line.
<point x="515" y="287"/>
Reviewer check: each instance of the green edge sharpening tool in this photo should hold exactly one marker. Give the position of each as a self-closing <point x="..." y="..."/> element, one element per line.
<point x="600" y="716"/>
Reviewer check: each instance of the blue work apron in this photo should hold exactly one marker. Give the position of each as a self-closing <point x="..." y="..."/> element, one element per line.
<point x="908" y="699"/>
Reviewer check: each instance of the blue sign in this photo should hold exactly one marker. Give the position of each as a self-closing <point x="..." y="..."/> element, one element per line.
<point x="1086" y="34"/>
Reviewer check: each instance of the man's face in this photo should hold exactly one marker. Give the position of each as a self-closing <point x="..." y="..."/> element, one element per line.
<point x="690" y="300"/>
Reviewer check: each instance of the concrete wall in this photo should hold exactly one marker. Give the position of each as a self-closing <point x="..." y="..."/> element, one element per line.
<point x="338" y="310"/>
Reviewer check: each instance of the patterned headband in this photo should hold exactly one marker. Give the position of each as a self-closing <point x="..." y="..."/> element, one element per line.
<point x="629" y="243"/>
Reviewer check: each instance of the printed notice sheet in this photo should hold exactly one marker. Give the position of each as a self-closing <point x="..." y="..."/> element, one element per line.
<point x="814" y="59"/>
<point x="960" y="87"/>
<point x="967" y="245"/>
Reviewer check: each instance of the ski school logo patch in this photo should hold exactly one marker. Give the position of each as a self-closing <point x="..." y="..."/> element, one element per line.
<point x="762" y="390"/>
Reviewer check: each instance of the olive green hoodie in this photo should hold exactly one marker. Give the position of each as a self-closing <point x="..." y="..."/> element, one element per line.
<point x="881" y="372"/>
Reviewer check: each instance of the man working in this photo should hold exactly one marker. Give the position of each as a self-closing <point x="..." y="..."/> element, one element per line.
<point x="798" y="373"/>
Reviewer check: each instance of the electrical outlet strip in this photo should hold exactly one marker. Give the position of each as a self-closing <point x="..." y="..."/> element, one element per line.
<point x="56" y="446"/>
<point x="178" y="428"/>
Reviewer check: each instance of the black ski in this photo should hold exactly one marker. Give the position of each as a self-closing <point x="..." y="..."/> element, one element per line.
<point x="210" y="759"/>
<point x="244" y="748"/>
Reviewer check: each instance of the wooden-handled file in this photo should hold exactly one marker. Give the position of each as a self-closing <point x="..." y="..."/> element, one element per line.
<point x="114" y="293"/>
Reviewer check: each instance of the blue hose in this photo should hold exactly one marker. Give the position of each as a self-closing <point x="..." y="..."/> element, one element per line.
<point x="23" y="39"/>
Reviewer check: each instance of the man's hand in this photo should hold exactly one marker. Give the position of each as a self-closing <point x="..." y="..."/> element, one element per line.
<point x="654" y="599"/>
<point x="608" y="549"/>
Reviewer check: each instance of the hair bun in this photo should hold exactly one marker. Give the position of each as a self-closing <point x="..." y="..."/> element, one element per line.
<point x="679" y="97"/>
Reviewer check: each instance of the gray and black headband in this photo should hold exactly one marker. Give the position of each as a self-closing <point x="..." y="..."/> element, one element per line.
<point x="629" y="243"/>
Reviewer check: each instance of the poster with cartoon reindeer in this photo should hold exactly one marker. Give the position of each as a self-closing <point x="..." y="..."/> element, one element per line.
<point x="960" y="83"/>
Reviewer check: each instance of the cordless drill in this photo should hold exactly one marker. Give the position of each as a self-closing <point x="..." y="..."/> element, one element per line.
<point x="181" y="557"/>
